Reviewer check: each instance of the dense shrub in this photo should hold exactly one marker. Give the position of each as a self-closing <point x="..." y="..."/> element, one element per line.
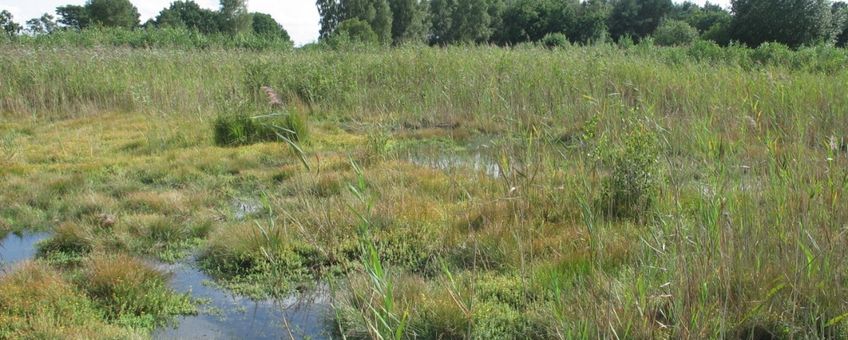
<point x="675" y="32"/>
<point x="772" y="53"/>
<point x="630" y="188"/>
<point x="352" y="33"/>
<point x="554" y="40"/>
<point x="705" y="50"/>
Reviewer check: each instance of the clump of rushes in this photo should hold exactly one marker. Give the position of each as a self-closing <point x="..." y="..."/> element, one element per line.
<point x="68" y="245"/>
<point x="36" y="302"/>
<point x="260" y="260"/>
<point x="241" y="128"/>
<point x="131" y="293"/>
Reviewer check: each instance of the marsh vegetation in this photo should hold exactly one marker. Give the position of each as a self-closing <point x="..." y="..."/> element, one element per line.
<point x="461" y="192"/>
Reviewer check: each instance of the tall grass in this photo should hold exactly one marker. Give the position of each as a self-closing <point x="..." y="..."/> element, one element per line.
<point x="425" y="85"/>
<point x="641" y="192"/>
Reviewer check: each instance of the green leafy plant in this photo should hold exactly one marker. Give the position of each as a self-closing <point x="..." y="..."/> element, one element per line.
<point x="630" y="187"/>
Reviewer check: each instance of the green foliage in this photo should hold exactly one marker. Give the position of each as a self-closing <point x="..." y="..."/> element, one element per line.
<point x="112" y="13"/>
<point x="706" y="50"/>
<point x="43" y="25"/>
<point x="73" y="16"/>
<point x="719" y="33"/>
<point x="555" y="40"/>
<point x="792" y="22"/>
<point x="629" y="191"/>
<point x="171" y="38"/>
<point x="353" y="31"/>
<point x="260" y="260"/>
<point x="771" y="54"/>
<point x="68" y="238"/>
<point x="840" y="21"/>
<point x="234" y="18"/>
<point x="531" y="20"/>
<point x="328" y="10"/>
<point x="131" y="293"/>
<point x="189" y="15"/>
<point x="701" y="18"/>
<point x="38" y="303"/>
<point x="753" y="149"/>
<point x="637" y="18"/>
<point x="265" y="25"/>
<point x="493" y="320"/>
<point x="241" y="129"/>
<point x="8" y="25"/>
<point x="591" y="23"/>
<point x="674" y="33"/>
<point x="377" y="14"/>
<point x="410" y="23"/>
<point x="456" y="21"/>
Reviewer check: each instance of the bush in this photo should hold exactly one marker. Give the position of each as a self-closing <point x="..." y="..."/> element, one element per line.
<point x="494" y="320"/>
<point x="706" y="51"/>
<point x="629" y="190"/>
<point x="771" y="53"/>
<point x="675" y="32"/>
<point x="719" y="32"/>
<point x="240" y="129"/>
<point x="352" y="33"/>
<point x="555" y="40"/>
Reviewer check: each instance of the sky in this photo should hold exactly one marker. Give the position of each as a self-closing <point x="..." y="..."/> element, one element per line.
<point x="298" y="17"/>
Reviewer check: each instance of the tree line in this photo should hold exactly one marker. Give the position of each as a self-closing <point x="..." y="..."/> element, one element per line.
<point x="509" y="22"/>
<point x="232" y="18"/>
<point x="794" y="23"/>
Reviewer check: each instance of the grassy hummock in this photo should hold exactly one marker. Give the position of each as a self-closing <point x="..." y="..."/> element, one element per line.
<point x="460" y="192"/>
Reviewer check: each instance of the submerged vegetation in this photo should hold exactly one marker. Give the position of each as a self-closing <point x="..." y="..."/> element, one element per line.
<point x="464" y="192"/>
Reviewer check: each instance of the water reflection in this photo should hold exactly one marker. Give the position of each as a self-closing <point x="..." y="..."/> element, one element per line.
<point x="449" y="161"/>
<point x="223" y="315"/>
<point x="16" y="248"/>
<point x="226" y="316"/>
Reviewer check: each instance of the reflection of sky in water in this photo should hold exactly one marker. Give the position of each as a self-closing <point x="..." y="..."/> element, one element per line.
<point x="445" y="161"/>
<point x="245" y="207"/>
<point x="477" y="156"/>
<point x="224" y="316"/>
<point x="17" y="248"/>
<point x="228" y="317"/>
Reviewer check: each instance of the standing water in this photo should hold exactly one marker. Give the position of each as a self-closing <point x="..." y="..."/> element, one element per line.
<point x="16" y="248"/>
<point x="225" y="316"/>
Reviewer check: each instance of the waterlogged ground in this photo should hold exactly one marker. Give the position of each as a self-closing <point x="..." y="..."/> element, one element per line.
<point x="155" y="188"/>
<point x="594" y="229"/>
<point x="222" y="314"/>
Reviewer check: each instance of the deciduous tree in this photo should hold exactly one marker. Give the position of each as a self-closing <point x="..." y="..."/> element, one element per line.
<point x="790" y="22"/>
<point x="8" y="25"/>
<point x="234" y="17"/>
<point x="637" y="18"/>
<point x="112" y="13"/>
<point x="43" y="25"/>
